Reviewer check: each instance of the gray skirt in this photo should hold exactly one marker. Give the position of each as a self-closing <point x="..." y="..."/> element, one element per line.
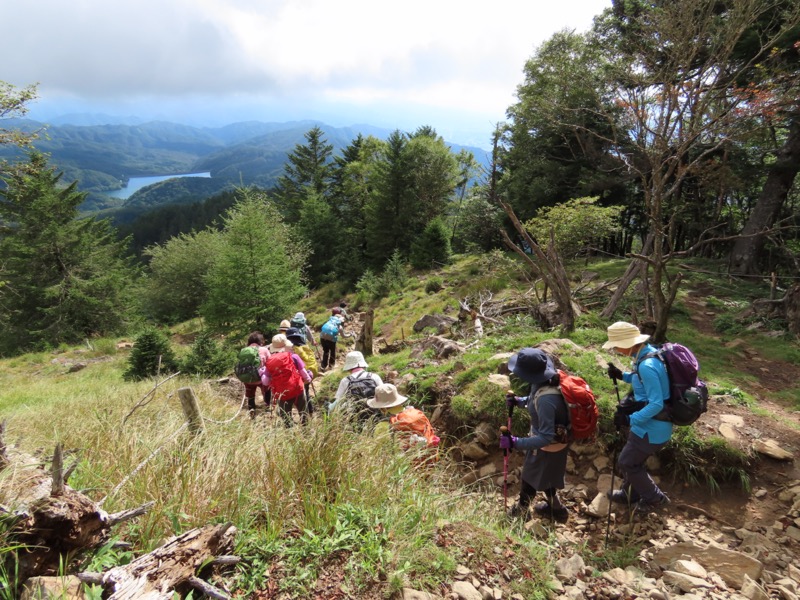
<point x="545" y="470"/>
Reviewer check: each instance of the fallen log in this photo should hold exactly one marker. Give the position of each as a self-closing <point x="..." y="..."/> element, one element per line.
<point x="50" y="522"/>
<point x="172" y="567"/>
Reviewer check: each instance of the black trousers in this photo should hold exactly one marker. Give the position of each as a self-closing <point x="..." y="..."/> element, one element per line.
<point x="328" y="353"/>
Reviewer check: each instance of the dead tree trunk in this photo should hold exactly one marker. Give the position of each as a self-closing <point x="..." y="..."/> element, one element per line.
<point x="172" y="567"/>
<point x="365" y="338"/>
<point x="51" y="522"/>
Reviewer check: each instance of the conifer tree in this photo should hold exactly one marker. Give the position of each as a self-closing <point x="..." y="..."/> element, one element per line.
<point x="255" y="279"/>
<point x="64" y="278"/>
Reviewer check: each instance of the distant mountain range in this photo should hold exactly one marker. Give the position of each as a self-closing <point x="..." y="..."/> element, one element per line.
<point x="101" y="155"/>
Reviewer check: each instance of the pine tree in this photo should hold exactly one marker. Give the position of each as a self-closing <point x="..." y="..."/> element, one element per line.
<point x="255" y="278"/>
<point x="64" y="278"/>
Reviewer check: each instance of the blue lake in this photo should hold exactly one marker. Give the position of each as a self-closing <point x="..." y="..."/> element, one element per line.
<point x="137" y="183"/>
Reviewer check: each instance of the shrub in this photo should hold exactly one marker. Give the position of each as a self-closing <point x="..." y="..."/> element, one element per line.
<point x="433" y="246"/>
<point x="151" y="355"/>
<point x="207" y="357"/>
<point x="433" y="285"/>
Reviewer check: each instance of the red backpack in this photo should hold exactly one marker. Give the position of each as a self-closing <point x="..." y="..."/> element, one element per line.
<point x="583" y="411"/>
<point x="285" y="381"/>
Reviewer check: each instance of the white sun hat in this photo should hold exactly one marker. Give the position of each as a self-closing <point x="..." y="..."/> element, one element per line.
<point x="624" y="335"/>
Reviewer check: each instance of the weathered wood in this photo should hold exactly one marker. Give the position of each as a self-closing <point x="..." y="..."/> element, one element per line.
<point x="155" y="576"/>
<point x="53" y="528"/>
<point x="127" y="515"/>
<point x="57" y="472"/>
<point x="3" y="454"/>
<point x="227" y="559"/>
<point x="191" y="409"/>
<point x="365" y="338"/>
<point x="208" y="589"/>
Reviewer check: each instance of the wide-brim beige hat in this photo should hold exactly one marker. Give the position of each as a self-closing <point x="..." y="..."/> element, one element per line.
<point x="280" y="344"/>
<point x="354" y="359"/>
<point x="386" y="396"/>
<point x="285" y="324"/>
<point x="624" y="335"/>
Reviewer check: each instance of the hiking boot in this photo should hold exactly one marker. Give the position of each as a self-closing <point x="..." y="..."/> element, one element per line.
<point x="623" y="496"/>
<point x="558" y="513"/>
<point x="517" y="511"/>
<point x="252" y="413"/>
<point x="645" y="508"/>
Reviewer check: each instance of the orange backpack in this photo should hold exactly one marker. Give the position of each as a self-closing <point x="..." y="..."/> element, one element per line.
<point x="583" y="411"/>
<point x="414" y="422"/>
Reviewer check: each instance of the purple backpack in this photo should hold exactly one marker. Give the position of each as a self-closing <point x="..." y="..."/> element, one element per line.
<point x="688" y="395"/>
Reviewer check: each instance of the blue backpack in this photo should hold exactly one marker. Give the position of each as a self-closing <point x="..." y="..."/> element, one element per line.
<point x="331" y="328"/>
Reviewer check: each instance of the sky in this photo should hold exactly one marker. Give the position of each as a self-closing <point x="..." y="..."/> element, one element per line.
<point x="453" y="65"/>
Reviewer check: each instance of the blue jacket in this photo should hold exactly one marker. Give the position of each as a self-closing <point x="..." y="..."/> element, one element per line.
<point x="650" y="385"/>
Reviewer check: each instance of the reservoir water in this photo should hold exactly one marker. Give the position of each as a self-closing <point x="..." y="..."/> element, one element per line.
<point x="137" y="183"/>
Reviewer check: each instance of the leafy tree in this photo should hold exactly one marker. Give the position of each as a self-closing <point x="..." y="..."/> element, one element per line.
<point x="175" y="286"/>
<point x="65" y="278"/>
<point x="151" y="355"/>
<point x="433" y="246"/>
<point x="13" y="103"/>
<point x="255" y="277"/>
<point x="321" y="229"/>
<point x="479" y="222"/>
<point x="575" y="224"/>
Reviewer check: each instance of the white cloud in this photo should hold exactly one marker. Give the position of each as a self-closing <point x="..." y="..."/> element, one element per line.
<point x="462" y="55"/>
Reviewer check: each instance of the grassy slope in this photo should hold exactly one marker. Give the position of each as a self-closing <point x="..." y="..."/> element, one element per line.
<point x="323" y="499"/>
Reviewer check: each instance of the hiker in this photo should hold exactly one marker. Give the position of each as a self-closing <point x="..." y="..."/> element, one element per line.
<point x="287" y="373"/>
<point x="356" y="387"/>
<point x="546" y="446"/>
<point x="257" y="379"/>
<point x="305" y="351"/>
<point x="299" y="322"/>
<point x="329" y="336"/>
<point x="648" y="434"/>
<point x="344" y="314"/>
<point x="411" y="424"/>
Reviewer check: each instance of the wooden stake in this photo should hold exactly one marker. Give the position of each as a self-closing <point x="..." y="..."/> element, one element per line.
<point x="191" y="409"/>
<point x="57" y="473"/>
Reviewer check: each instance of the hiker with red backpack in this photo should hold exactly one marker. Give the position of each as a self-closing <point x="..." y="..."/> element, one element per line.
<point x="356" y="387"/>
<point x="287" y="373"/>
<point x="546" y="446"/>
<point x="649" y="430"/>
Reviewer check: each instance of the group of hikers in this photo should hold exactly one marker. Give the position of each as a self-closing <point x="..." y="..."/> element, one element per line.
<point x="288" y="367"/>
<point x="546" y="446"/>
<point x="284" y="371"/>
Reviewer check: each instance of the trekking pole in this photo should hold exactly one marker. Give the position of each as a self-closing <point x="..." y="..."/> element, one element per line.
<point x="613" y="467"/>
<point x="506" y="431"/>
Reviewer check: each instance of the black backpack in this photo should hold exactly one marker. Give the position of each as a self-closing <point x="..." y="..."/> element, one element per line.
<point x="359" y="390"/>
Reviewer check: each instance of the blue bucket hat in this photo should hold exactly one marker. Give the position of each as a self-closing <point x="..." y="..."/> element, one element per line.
<point x="532" y="365"/>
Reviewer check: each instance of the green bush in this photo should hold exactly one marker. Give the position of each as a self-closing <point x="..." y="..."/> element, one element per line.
<point x="151" y="355"/>
<point x="432" y="247"/>
<point x="207" y="357"/>
<point x="433" y="285"/>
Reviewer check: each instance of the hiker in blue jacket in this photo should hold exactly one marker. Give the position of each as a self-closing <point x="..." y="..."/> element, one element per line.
<point x="648" y="434"/>
<point x="546" y="446"/>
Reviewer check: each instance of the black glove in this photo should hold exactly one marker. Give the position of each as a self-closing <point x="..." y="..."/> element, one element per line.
<point x="511" y="402"/>
<point x="614" y="372"/>
<point x="621" y="420"/>
<point x="631" y="407"/>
